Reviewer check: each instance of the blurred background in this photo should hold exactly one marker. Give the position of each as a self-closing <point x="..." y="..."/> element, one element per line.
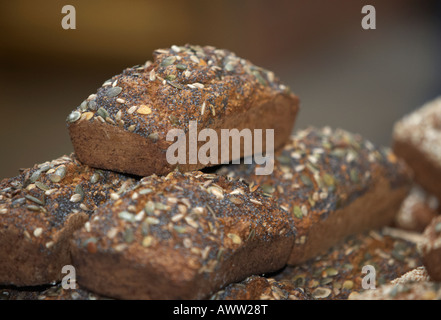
<point x="348" y="77"/>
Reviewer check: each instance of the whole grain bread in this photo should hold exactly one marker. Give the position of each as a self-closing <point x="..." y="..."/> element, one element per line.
<point x="180" y="236"/>
<point x="416" y="139"/>
<point x="430" y="248"/>
<point x="39" y="211"/>
<point x="335" y="275"/>
<point x="417" y="210"/>
<point x="123" y="127"/>
<point x="413" y="285"/>
<point x="334" y="184"/>
<point x="338" y="273"/>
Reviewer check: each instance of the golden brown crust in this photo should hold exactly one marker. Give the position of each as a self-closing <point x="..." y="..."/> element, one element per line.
<point x="123" y="126"/>
<point x="182" y="236"/>
<point x="40" y="209"/>
<point x="334" y="183"/>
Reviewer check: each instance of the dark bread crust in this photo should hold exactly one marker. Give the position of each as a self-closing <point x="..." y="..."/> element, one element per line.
<point x="191" y="238"/>
<point x="222" y="91"/>
<point x="334" y="183"/>
<point x="39" y="215"/>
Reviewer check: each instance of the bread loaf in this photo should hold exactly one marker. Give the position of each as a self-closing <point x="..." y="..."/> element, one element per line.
<point x="335" y="275"/>
<point x="416" y="139"/>
<point x="430" y="248"/>
<point x="334" y="184"/>
<point x="39" y="211"/>
<point x="181" y="236"/>
<point x="124" y="126"/>
<point x="414" y="285"/>
<point x="417" y="210"/>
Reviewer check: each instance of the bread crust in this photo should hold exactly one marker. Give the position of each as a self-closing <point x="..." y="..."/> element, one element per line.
<point x="182" y="236"/>
<point x="40" y="210"/>
<point x="334" y="184"/>
<point x="416" y="139"/>
<point x="430" y="249"/>
<point x="123" y="127"/>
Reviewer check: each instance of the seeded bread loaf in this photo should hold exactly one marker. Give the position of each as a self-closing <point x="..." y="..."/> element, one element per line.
<point x="123" y="127"/>
<point x="334" y="184"/>
<point x="414" y="285"/>
<point x="430" y="248"/>
<point x="336" y="274"/>
<point x="417" y="210"/>
<point x="182" y="236"/>
<point x="40" y="209"/>
<point x="416" y="139"/>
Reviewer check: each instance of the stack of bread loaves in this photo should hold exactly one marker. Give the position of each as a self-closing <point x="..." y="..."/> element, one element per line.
<point x="135" y="225"/>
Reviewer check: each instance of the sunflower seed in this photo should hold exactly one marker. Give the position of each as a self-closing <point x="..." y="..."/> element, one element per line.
<point x="153" y="136"/>
<point x="194" y="59"/>
<point x="175" y="85"/>
<point x="147" y="241"/>
<point x="75" y="198"/>
<point x="152" y="75"/>
<point x="125" y="215"/>
<point x="174" y="120"/>
<point x="170" y="77"/>
<point x="235" y="238"/>
<point x="95" y="178"/>
<point x="152" y="220"/>
<point x="33" y="199"/>
<point x="38" y="232"/>
<point x="33" y="207"/>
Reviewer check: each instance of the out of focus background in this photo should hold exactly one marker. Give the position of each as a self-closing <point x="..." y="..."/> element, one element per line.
<point x="348" y="77"/>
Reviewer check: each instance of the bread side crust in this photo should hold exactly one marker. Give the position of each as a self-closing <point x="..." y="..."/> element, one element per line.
<point x="379" y="206"/>
<point x="106" y="146"/>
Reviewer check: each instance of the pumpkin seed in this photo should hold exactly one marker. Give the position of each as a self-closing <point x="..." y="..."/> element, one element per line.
<point x="181" y="66"/>
<point x="168" y="61"/>
<point x="83" y="106"/>
<point x="41" y="186"/>
<point x="35" y="176"/>
<point x="73" y="116"/>
<point x="92" y="105"/>
<point x="113" y="92"/>
<point x="297" y="212"/>
<point x="102" y="113"/>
